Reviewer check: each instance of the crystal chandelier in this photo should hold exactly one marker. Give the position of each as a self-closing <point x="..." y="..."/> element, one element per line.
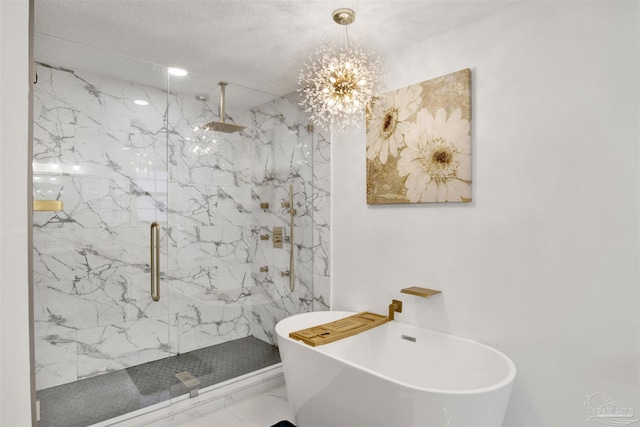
<point x="339" y="82"/>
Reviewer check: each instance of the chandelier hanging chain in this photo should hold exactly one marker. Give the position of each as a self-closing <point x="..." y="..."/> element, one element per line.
<point x="346" y="37"/>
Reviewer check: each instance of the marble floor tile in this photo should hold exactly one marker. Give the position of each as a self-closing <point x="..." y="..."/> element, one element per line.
<point x="265" y="409"/>
<point x="261" y="410"/>
<point x="222" y="417"/>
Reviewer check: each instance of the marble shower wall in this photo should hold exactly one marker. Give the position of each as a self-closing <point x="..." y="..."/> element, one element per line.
<point x="117" y="167"/>
<point x="209" y="232"/>
<point x="288" y="154"/>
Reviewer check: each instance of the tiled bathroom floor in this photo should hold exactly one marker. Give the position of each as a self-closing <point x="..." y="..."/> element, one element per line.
<point x="261" y="410"/>
<point x="100" y="398"/>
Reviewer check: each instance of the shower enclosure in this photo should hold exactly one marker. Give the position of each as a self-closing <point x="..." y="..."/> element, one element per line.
<point x="125" y="174"/>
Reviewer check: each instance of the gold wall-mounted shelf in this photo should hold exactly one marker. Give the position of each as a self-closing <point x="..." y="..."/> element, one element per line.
<point x="47" y="205"/>
<point x="421" y="292"/>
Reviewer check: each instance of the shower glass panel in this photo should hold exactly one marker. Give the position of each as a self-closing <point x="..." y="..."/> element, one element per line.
<point x="210" y="236"/>
<point x="120" y="144"/>
<point x="225" y="273"/>
<point x="100" y="150"/>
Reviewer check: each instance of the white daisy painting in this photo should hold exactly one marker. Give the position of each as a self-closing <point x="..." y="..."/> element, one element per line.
<point x="419" y="143"/>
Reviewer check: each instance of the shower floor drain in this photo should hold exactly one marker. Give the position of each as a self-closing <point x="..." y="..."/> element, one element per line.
<point x="187" y="379"/>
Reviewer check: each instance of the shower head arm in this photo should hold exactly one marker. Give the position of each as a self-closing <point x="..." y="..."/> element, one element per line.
<point x="222" y="86"/>
<point x="222" y="126"/>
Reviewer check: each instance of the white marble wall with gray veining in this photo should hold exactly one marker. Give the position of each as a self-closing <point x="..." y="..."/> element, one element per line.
<point x="209" y="235"/>
<point x="117" y="167"/>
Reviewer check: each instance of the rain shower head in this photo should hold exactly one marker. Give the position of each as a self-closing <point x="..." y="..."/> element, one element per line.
<point x="222" y="126"/>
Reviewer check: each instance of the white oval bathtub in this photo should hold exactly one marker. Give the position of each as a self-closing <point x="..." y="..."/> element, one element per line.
<point x="382" y="377"/>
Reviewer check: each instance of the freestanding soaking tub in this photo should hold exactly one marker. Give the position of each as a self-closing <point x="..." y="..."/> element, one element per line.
<point x="391" y="376"/>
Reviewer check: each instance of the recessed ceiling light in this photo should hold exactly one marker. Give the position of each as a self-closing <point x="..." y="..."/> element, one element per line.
<point x="141" y="102"/>
<point x="177" y="72"/>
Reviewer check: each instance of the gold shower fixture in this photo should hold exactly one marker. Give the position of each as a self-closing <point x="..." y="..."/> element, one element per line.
<point x="222" y="125"/>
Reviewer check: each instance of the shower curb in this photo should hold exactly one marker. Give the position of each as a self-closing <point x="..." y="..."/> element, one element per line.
<point x="210" y="399"/>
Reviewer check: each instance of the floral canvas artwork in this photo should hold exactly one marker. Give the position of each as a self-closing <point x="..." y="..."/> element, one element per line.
<point x="419" y="143"/>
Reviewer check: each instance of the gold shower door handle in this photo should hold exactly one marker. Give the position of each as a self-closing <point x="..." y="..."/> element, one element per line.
<point x="155" y="261"/>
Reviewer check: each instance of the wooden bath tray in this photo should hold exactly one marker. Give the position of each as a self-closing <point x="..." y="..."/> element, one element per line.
<point x="343" y="328"/>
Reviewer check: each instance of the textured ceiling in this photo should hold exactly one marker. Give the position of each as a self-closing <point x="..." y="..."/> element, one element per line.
<point x="260" y="44"/>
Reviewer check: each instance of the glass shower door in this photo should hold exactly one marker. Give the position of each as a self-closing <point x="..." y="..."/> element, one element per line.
<point x="100" y="181"/>
<point x="118" y="147"/>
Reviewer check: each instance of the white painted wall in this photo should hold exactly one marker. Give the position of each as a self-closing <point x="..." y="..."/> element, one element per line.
<point x="15" y="364"/>
<point x="544" y="263"/>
